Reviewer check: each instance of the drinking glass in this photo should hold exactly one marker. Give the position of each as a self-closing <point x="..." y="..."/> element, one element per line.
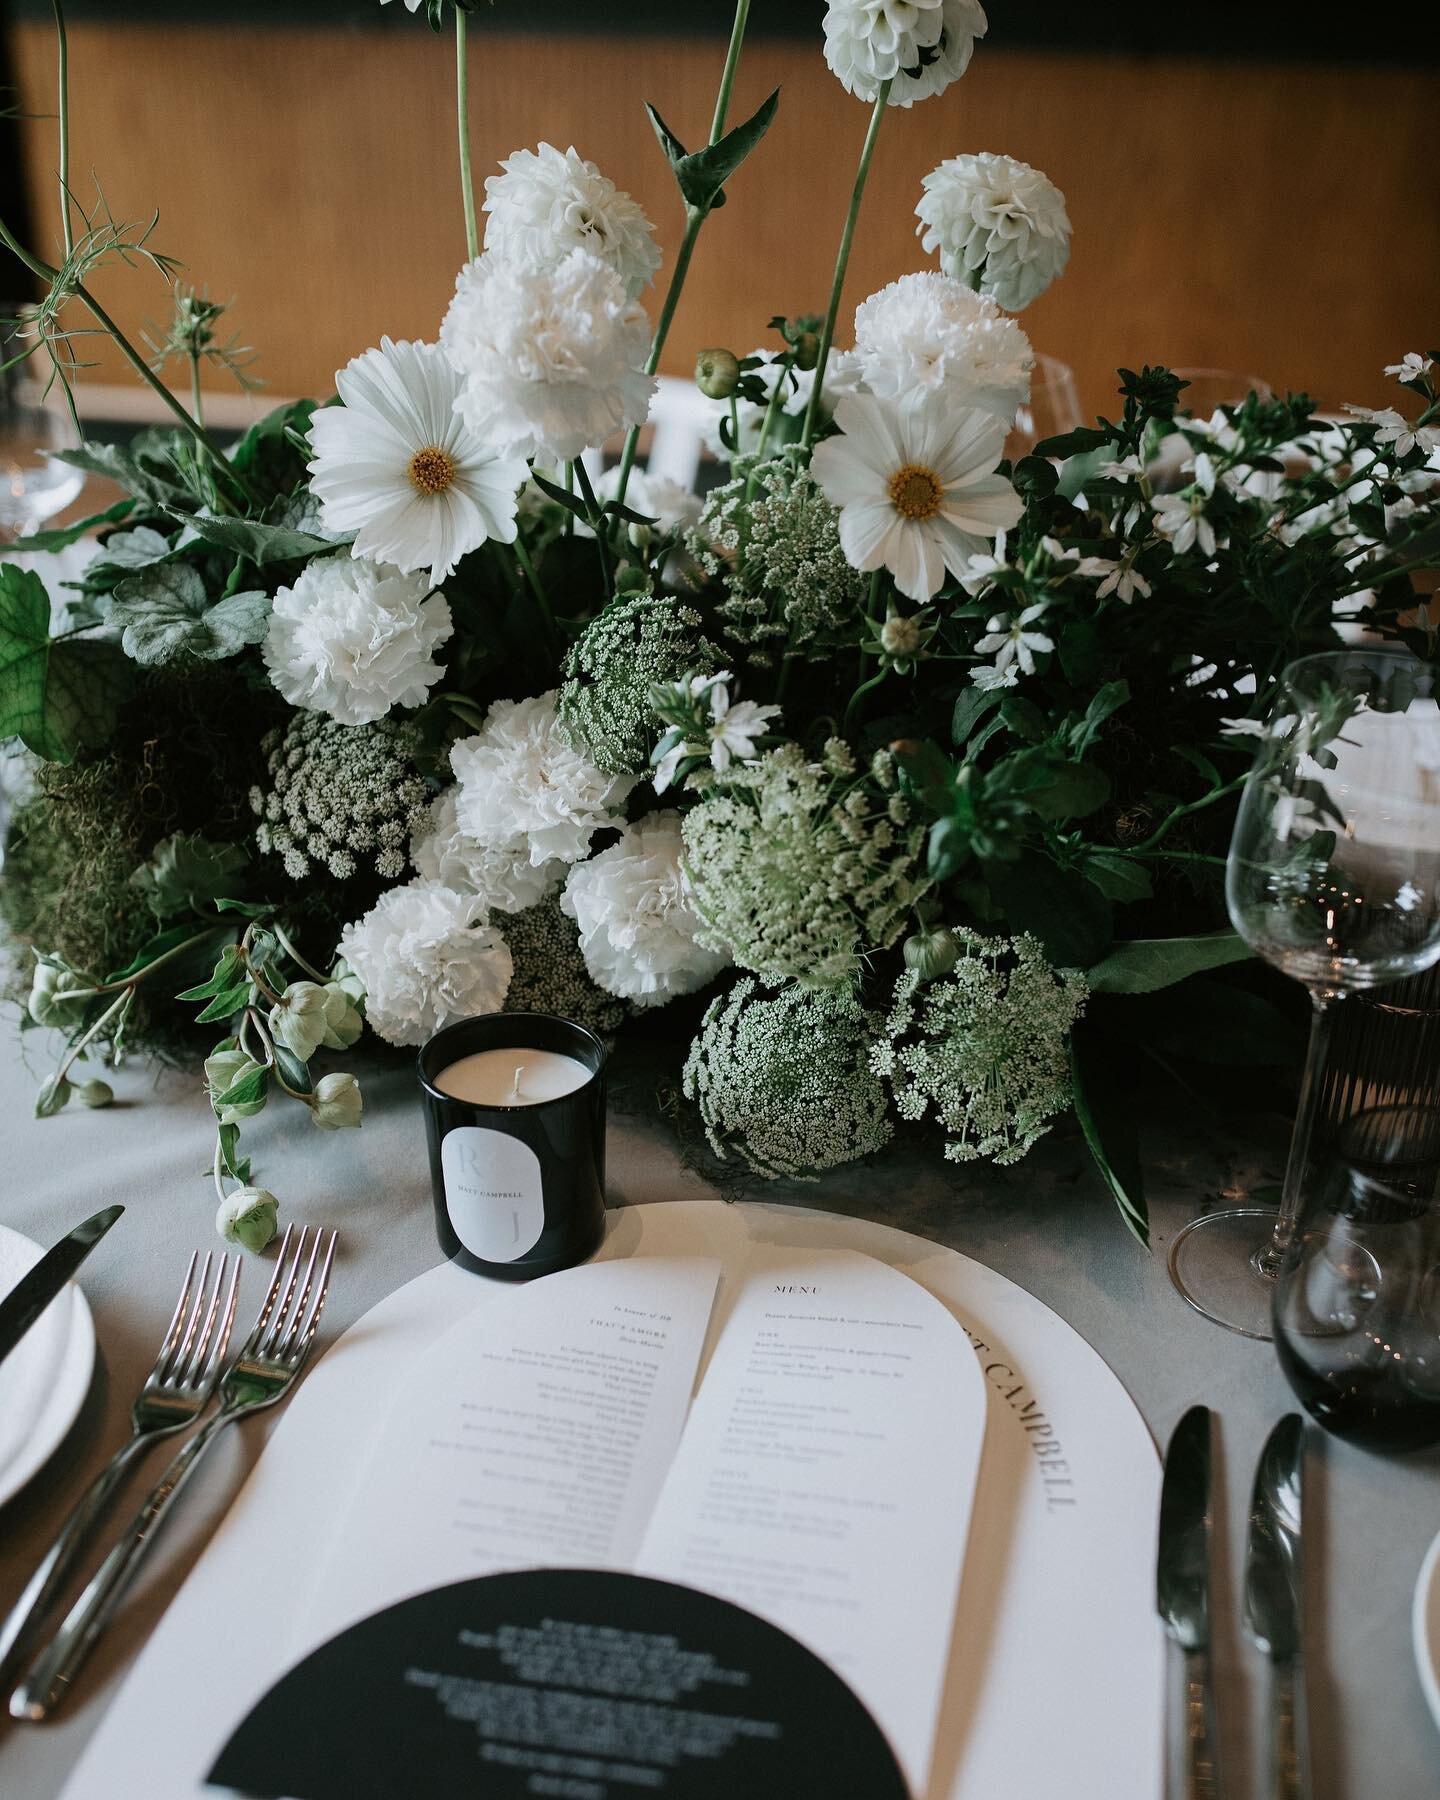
<point x="33" y="488"/>
<point x="1053" y="408"/>
<point x="1357" y="1299"/>
<point x="1334" y="877"/>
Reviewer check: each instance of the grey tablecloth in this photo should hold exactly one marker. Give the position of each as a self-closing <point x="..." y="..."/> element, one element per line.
<point x="1045" y="1224"/>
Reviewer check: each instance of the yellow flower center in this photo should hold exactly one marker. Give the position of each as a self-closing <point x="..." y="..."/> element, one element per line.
<point x="432" y="470"/>
<point x="916" y="491"/>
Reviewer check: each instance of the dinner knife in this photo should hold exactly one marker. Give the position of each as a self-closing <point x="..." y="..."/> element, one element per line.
<point x="34" y="1291"/>
<point x="1182" y="1598"/>
<point x="1273" y="1612"/>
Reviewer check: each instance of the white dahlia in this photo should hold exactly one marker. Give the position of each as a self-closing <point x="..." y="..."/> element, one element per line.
<point x="637" y="927"/>
<point x="426" y="956"/>
<point x="395" y="465"/>
<point x="523" y="785"/>
<point x="550" y="202"/>
<point x="551" y="361"/>
<point x="927" y="336"/>
<point x="998" y="225"/>
<point x="352" y="639"/>
<point x="916" y="487"/>
<point x="505" y="879"/>
<point x="920" y="46"/>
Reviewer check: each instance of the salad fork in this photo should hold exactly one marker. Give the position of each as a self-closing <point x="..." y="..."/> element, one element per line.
<point x="176" y="1391"/>
<point x="262" y="1373"/>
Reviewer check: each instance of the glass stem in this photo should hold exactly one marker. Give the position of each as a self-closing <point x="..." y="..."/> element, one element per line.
<point x="1322" y="1003"/>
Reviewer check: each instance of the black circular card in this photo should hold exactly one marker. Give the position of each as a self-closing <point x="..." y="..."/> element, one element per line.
<point x="576" y="1684"/>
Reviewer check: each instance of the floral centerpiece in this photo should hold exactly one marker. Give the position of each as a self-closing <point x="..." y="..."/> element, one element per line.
<point x="914" y="761"/>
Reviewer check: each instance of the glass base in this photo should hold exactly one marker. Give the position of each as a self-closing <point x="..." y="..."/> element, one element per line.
<point x="1218" y="1264"/>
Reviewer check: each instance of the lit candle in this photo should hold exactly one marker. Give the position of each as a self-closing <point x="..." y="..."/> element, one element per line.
<point x="520" y="1077"/>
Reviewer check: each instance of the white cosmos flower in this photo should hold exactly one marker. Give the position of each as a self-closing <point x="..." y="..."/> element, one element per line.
<point x="916" y="487"/>
<point x="920" y="46"/>
<point x="928" y="335"/>
<point x="637" y="927"/>
<point x="426" y="956"/>
<point x="352" y="639"/>
<point x="997" y="224"/>
<point x="1014" y="646"/>
<point x="551" y="361"/>
<point x="549" y="202"/>
<point x="505" y="879"/>
<point x="396" y="466"/>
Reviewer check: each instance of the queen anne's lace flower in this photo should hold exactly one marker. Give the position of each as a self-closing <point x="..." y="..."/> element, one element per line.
<point x="352" y="639"/>
<point x="523" y="785"/>
<point x="998" y="224"/>
<point x="426" y="956"/>
<point x="505" y="879"/>
<point x="550" y="974"/>
<point x="798" y="871"/>
<point x="638" y="932"/>
<point x="553" y="360"/>
<point x="549" y="202"/>
<point x="920" y="46"/>
<point x="985" y="1048"/>
<point x="927" y="336"/>
<point x="782" y="1080"/>
<point x="605" y="705"/>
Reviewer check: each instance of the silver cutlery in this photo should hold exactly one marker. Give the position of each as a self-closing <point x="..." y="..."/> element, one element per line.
<point x="262" y="1373"/>
<point x="176" y="1391"/>
<point x="1182" y="1598"/>
<point x="1273" y="1610"/>
<point x="37" y="1287"/>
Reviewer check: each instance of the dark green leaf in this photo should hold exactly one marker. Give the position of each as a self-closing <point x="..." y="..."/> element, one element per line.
<point x="948" y="847"/>
<point x="1063" y="910"/>
<point x="1073" y="443"/>
<point x="1106" y="1115"/>
<point x="64" y="535"/>
<point x="55" y="697"/>
<point x="674" y="150"/>
<point x="1198" y="760"/>
<point x="127" y="469"/>
<point x="1105" y="701"/>
<point x="294" y="1072"/>
<point x="563" y="497"/>
<point x="156" y="947"/>
<point x="245" y="1090"/>
<point x="1072" y="791"/>
<point x="1024" y="718"/>
<point x="187" y="873"/>
<point x="222" y="978"/>
<point x="702" y="175"/>
<point x="263" y="544"/>
<point x="227" y="1003"/>
<point x="1117" y="877"/>
<point x="247" y="907"/>
<point x="970" y="708"/>
<point x="1142" y="965"/>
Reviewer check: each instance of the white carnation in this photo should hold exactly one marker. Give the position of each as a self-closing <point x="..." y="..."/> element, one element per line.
<point x="637" y="928"/>
<point x="997" y="224"/>
<point x="551" y="361"/>
<point x="927" y="336"/>
<point x="505" y="879"/>
<point x="523" y="785"/>
<point x="920" y="46"/>
<point x="550" y="202"/>
<point x="426" y="956"/>
<point x="354" y="638"/>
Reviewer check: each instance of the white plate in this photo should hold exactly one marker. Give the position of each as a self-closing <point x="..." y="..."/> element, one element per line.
<point x="45" y="1378"/>
<point x="1426" y="1622"/>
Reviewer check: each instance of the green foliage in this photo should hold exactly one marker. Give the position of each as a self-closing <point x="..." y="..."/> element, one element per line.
<point x="188" y="873"/>
<point x="165" y="613"/>
<point x="1142" y="965"/>
<point x="55" y="696"/>
<point x="701" y="175"/>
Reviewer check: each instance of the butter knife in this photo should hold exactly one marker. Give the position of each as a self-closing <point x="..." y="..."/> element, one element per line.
<point x="1182" y="1598"/>
<point x="1273" y="1612"/>
<point x="34" y="1291"/>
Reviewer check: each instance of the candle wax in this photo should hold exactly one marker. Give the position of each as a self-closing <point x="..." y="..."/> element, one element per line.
<point x="518" y="1077"/>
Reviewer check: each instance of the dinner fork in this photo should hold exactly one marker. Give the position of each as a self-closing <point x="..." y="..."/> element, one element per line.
<point x="176" y="1391"/>
<point x="262" y="1373"/>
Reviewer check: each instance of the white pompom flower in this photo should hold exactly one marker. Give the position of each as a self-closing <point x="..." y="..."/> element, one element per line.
<point x="919" y="46"/>
<point x="550" y="202"/>
<point x="551" y="361"/>
<point x="505" y="879"/>
<point x="396" y="466"/>
<point x="426" y="955"/>
<point x="637" y="926"/>
<point x="354" y="639"/>
<point x="928" y="336"/>
<point x="524" y="786"/>
<point x="997" y="224"/>
<point x="916" y="487"/>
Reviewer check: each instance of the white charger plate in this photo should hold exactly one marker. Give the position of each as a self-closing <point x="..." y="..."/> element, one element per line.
<point x="1425" y="1621"/>
<point x="45" y="1378"/>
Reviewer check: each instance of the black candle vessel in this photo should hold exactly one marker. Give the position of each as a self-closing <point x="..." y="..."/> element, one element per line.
<point x="519" y="1181"/>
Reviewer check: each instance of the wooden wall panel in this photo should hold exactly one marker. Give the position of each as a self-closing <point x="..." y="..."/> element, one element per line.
<point x="1281" y="220"/>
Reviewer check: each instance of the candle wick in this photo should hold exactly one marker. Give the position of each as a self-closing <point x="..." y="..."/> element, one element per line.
<point x="515" y="1090"/>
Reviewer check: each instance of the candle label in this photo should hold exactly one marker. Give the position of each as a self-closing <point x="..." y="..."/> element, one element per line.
<point x="493" y="1192"/>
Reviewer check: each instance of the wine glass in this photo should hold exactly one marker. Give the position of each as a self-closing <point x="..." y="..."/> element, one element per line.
<point x="1052" y="409"/>
<point x="33" y="487"/>
<point x="1334" y="877"/>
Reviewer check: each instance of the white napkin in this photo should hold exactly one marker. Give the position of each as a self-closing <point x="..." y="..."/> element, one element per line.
<point x="29" y="1373"/>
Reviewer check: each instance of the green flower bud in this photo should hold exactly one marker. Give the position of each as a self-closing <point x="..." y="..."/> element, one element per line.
<point x="95" y="1093"/>
<point x="54" y="1092"/>
<point x="297" y="1020"/>
<point x="930" y="954"/>
<point x="344" y="977"/>
<point x="900" y="636"/>
<point x="222" y="1070"/>
<point x="336" y="1102"/>
<point x="807" y="349"/>
<point x="48" y="990"/>
<point x="344" y="1020"/>
<point x="717" y="373"/>
<point x="247" y="1217"/>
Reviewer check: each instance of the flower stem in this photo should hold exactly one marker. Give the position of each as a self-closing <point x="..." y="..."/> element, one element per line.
<point x="727" y="78"/>
<point x="847" y="237"/>
<point x="537" y="587"/>
<point x="462" y="115"/>
<point x="63" y="72"/>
